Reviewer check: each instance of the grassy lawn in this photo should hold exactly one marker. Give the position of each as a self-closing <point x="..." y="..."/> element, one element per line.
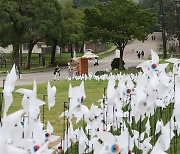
<point x="92" y="96"/>
<point x="106" y="54"/>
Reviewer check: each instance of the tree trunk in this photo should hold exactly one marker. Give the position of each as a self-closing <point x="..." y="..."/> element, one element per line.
<point x="62" y="50"/>
<point x="53" y="53"/>
<point x="121" y="45"/>
<point x="81" y="50"/>
<point x="31" y="46"/>
<point x="20" y="55"/>
<point x="71" y="50"/>
<point x="15" y="54"/>
<point x="121" y="62"/>
<point x="77" y="47"/>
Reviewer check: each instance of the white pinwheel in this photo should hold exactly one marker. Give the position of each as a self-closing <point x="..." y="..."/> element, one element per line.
<point x="51" y="95"/>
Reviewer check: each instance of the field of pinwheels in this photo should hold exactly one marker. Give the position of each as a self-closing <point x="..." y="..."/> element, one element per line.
<point x="123" y="113"/>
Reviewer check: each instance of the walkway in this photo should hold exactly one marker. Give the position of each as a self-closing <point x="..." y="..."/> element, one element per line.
<point x="130" y="58"/>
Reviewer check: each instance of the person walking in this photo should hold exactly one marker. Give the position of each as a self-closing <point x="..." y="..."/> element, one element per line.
<point x="142" y="54"/>
<point x="57" y="73"/>
<point x="139" y="55"/>
<point x="19" y="73"/>
<point x="43" y="61"/>
<point x="96" y="62"/>
<point x="70" y="69"/>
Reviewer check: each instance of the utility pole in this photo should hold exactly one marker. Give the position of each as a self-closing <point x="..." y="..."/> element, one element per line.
<point x="163" y="28"/>
<point x="177" y="14"/>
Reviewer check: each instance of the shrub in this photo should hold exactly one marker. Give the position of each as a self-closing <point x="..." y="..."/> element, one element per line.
<point x="115" y="63"/>
<point x="100" y="73"/>
<point x="62" y="62"/>
<point x="172" y="49"/>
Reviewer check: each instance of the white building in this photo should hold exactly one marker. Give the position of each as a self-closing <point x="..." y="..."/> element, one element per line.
<point x="37" y="48"/>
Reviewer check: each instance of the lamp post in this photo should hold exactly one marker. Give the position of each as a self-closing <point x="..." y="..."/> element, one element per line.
<point x="163" y="28"/>
<point x="177" y="14"/>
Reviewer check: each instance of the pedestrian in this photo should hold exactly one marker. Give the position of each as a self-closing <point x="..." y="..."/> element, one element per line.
<point x="43" y="61"/>
<point x="139" y="55"/>
<point x="70" y="69"/>
<point x="19" y="72"/>
<point x="57" y="73"/>
<point x="142" y="54"/>
<point x="96" y="62"/>
<point x="152" y="37"/>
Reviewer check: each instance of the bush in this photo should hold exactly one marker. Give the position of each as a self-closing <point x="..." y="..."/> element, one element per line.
<point x="115" y="63"/>
<point x="172" y="49"/>
<point x="100" y="73"/>
<point x="62" y="62"/>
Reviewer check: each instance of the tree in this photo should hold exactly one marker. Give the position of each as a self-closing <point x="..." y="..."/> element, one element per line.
<point x="53" y="36"/>
<point x="27" y="21"/>
<point x="87" y="3"/>
<point x="42" y="14"/>
<point x="12" y="25"/>
<point x="118" y="21"/>
<point x="73" y="23"/>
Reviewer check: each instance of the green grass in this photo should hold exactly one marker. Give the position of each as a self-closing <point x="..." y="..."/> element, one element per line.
<point x="92" y="96"/>
<point x="169" y="67"/>
<point x="106" y="54"/>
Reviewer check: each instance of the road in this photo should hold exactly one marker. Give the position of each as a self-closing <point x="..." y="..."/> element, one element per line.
<point x="130" y="58"/>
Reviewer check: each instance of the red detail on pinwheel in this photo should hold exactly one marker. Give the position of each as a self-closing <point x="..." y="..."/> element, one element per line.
<point x="47" y="135"/>
<point x="60" y="148"/>
<point x="153" y="66"/>
<point x="128" y="91"/>
<point x="36" y="148"/>
<point x="115" y="148"/>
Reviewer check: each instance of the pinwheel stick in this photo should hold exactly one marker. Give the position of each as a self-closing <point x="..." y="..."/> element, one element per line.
<point x="65" y="124"/>
<point x="175" y="138"/>
<point x="44" y="99"/>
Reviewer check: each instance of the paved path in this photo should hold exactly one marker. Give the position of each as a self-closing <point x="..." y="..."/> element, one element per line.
<point x="130" y="58"/>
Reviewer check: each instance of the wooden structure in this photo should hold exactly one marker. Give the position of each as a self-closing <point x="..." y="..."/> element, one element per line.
<point x="83" y="66"/>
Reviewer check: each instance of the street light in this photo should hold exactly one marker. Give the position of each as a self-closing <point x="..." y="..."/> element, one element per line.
<point x="163" y="28"/>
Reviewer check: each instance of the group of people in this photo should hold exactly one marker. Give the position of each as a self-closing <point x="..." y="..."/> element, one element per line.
<point x="71" y="69"/>
<point x="140" y="54"/>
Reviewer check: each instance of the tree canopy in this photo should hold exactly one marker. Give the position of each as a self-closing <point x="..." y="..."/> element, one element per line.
<point x="118" y="21"/>
<point x="28" y="22"/>
<point x="73" y="24"/>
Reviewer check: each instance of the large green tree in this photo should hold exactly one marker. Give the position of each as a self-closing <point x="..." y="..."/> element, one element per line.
<point x="28" y="21"/>
<point x="43" y="14"/>
<point x="118" y="21"/>
<point x="169" y="13"/>
<point x="54" y="34"/>
<point x="73" y="24"/>
<point x="12" y="25"/>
